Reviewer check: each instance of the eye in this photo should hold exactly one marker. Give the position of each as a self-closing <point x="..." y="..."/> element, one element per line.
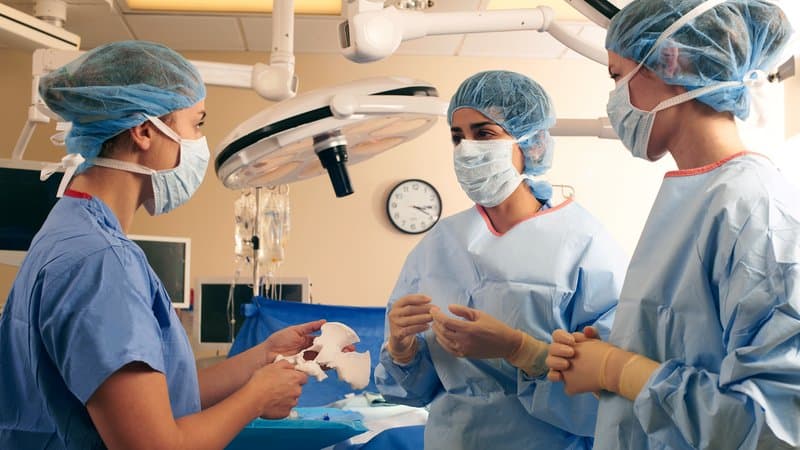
<point x="456" y="138"/>
<point x="485" y="133"/>
<point x="201" y="124"/>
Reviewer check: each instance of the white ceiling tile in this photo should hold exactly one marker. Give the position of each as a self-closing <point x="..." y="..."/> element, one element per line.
<point x="316" y="35"/>
<point x="523" y="44"/>
<point x="185" y="32"/>
<point x="257" y="32"/>
<point x="96" y="25"/>
<point x="311" y="34"/>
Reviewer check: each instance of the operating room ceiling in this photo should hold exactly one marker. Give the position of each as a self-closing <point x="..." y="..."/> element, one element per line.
<point x="97" y="23"/>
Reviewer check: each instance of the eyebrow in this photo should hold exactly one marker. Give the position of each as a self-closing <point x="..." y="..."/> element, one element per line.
<point x="475" y="126"/>
<point x="202" y="115"/>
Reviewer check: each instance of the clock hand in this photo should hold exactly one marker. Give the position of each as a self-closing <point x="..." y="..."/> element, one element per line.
<point x="422" y="208"/>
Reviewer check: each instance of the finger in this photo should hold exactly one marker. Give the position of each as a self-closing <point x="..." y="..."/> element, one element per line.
<point x="591" y="332"/>
<point x="283" y="364"/>
<point x="451" y="323"/>
<point x="561" y="350"/>
<point x="563" y="337"/>
<point x="555" y="376"/>
<point x="413" y="320"/>
<point x="414" y="299"/>
<point x="413" y="310"/>
<point x="415" y="329"/>
<point x="440" y="329"/>
<point x="579" y="336"/>
<point x="556" y="363"/>
<point x="448" y="344"/>
<point x="310" y="327"/>
<point x="463" y="311"/>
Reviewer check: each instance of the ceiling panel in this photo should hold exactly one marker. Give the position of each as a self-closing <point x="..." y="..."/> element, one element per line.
<point x="311" y="34"/>
<point x="183" y="32"/>
<point x="97" y="25"/>
<point x="520" y="44"/>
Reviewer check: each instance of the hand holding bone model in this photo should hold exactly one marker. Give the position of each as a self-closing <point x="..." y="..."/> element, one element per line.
<point x="331" y="348"/>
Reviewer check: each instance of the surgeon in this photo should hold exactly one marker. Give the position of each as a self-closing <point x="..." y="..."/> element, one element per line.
<point x="704" y="349"/>
<point x="92" y="355"/>
<point x="469" y="320"/>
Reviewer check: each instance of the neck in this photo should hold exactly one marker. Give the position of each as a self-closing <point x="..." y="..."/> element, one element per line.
<point x="705" y="137"/>
<point x="520" y="205"/>
<point x="121" y="191"/>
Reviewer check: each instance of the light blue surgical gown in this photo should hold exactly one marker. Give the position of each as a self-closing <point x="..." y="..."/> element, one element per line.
<point x="713" y="293"/>
<point x="84" y="303"/>
<point x="558" y="269"/>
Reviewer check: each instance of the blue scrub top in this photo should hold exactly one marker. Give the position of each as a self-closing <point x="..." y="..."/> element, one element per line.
<point x="713" y="293"/>
<point x="557" y="269"/>
<point x="84" y="304"/>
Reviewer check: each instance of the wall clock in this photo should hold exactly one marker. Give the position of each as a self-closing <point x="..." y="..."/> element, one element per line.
<point x="413" y="206"/>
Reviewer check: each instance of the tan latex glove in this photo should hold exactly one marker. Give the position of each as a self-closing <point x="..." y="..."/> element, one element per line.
<point x="409" y="315"/>
<point x="593" y="365"/>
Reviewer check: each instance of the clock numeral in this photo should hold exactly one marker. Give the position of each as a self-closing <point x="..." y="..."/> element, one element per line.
<point x="413" y="226"/>
<point x="394" y="205"/>
<point x="399" y="196"/>
<point x="416" y="186"/>
<point x="397" y="216"/>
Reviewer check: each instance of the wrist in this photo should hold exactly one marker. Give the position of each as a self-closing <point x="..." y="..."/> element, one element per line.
<point x="612" y="371"/>
<point x="515" y="345"/>
<point x="401" y="352"/>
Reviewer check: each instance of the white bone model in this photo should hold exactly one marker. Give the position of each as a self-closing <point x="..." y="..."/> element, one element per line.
<point x="351" y="367"/>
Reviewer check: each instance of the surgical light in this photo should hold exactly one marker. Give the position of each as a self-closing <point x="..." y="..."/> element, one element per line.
<point x="325" y="130"/>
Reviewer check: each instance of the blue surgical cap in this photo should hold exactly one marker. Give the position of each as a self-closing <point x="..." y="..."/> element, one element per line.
<point x="727" y="43"/>
<point x="114" y="87"/>
<point x="521" y="107"/>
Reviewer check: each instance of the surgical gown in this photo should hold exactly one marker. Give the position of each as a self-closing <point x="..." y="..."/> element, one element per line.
<point x="84" y="304"/>
<point x="557" y="269"/>
<point x="713" y="293"/>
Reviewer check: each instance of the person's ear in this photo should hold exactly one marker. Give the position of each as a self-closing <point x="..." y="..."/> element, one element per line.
<point x="669" y="61"/>
<point x="142" y="135"/>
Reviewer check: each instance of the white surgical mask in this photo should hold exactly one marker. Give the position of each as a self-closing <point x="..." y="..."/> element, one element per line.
<point x="171" y="187"/>
<point x="633" y="125"/>
<point x="485" y="170"/>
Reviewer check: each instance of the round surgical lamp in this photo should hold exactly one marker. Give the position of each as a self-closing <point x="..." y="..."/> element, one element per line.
<point x="326" y="130"/>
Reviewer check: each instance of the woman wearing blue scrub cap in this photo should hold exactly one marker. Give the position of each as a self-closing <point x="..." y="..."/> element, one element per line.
<point x="92" y="353"/>
<point x="509" y="271"/>
<point x="703" y="351"/>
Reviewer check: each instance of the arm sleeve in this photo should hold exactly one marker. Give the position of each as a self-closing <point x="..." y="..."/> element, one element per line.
<point x="754" y="398"/>
<point x="415" y="383"/>
<point x="97" y="316"/>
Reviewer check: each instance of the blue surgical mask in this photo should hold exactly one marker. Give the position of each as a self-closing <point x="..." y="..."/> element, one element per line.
<point x="485" y="170"/>
<point x="171" y="187"/>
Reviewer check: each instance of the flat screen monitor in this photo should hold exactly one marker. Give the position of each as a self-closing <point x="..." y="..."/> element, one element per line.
<point x="25" y="201"/>
<point x="169" y="257"/>
<point x="213" y="330"/>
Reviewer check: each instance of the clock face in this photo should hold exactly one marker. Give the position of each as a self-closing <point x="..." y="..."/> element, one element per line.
<point x="414" y="206"/>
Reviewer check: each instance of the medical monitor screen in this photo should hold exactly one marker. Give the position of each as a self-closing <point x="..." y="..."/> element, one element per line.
<point x="215" y="320"/>
<point x="25" y="201"/>
<point x="169" y="258"/>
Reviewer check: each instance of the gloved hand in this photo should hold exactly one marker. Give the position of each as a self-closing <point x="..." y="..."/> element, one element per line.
<point x="291" y="340"/>
<point x="589" y="365"/>
<point x="479" y="336"/>
<point x="561" y="350"/>
<point x="409" y="315"/>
